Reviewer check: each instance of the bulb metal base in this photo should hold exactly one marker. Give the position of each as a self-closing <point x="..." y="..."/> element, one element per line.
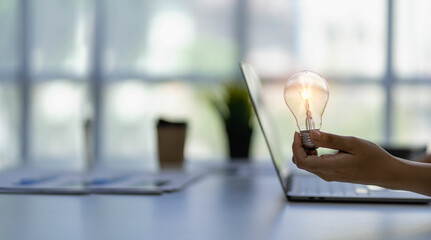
<point x="306" y="141"/>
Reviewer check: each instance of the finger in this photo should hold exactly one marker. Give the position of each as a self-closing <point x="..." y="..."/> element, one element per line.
<point x="312" y="152"/>
<point x="328" y="140"/>
<point x="298" y="144"/>
<point x="339" y="156"/>
<point x="314" y="163"/>
<point x="298" y="150"/>
<point x="327" y="163"/>
<point x="337" y="160"/>
<point x="426" y="159"/>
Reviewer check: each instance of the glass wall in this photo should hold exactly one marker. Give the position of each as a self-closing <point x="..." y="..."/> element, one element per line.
<point x="150" y="59"/>
<point x="10" y="103"/>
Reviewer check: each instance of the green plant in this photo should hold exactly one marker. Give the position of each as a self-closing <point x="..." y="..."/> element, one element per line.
<point x="235" y="109"/>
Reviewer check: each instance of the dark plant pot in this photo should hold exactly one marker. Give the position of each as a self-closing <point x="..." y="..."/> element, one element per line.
<point x="239" y="141"/>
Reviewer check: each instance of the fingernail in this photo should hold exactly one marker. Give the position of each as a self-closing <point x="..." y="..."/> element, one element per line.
<point x="315" y="135"/>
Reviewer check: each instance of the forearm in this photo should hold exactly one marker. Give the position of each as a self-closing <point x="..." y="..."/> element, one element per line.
<point x="413" y="176"/>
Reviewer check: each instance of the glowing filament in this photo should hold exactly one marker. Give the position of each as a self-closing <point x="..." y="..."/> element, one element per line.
<point x="306" y="94"/>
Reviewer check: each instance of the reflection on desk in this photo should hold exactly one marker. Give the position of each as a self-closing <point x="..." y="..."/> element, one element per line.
<point x="221" y="206"/>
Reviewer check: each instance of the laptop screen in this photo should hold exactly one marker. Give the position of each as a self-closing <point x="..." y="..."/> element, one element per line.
<point x="254" y="89"/>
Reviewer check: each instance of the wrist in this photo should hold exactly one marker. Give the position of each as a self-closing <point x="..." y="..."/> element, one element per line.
<point x="395" y="174"/>
<point x="413" y="176"/>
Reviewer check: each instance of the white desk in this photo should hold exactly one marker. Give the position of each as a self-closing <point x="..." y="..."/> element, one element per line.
<point x="217" y="207"/>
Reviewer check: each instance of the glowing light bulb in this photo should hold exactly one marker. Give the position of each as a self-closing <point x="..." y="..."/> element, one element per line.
<point x="306" y="94"/>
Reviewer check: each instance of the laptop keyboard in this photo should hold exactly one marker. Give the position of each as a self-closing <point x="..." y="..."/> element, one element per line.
<point x="314" y="186"/>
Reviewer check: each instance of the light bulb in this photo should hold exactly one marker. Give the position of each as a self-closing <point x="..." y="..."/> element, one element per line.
<point x="306" y="94"/>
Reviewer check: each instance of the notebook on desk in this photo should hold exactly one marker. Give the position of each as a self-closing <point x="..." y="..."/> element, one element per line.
<point x="148" y="183"/>
<point x="41" y="182"/>
<point x="33" y="181"/>
<point x="307" y="187"/>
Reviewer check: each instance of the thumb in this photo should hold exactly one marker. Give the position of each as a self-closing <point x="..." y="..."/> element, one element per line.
<point x="328" y="140"/>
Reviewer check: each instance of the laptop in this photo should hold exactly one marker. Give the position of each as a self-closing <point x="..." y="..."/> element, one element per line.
<point x="299" y="185"/>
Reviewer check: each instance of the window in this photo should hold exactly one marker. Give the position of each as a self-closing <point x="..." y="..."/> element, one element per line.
<point x="412" y="40"/>
<point x="334" y="38"/>
<point x="412" y="72"/>
<point x="142" y="60"/>
<point x="9" y="90"/>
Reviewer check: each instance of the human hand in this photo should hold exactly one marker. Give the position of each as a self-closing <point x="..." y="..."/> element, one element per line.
<point x="426" y="159"/>
<point x="357" y="161"/>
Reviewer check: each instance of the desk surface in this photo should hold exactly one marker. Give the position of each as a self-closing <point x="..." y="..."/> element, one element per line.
<point x="219" y="206"/>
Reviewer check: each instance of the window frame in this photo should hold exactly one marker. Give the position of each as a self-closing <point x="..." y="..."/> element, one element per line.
<point x="97" y="78"/>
